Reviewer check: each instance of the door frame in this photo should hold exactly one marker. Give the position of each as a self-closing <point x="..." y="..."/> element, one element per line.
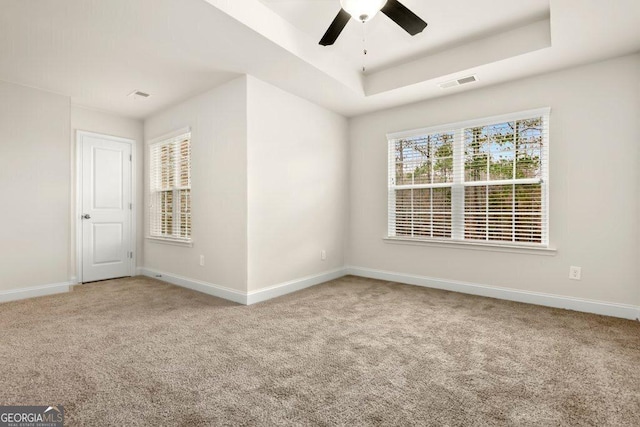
<point x="80" y="134"/>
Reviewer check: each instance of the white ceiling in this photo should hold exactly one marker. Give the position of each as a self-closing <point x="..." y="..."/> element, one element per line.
<point x="450" y="23"/>
<point x="98" y="51"/>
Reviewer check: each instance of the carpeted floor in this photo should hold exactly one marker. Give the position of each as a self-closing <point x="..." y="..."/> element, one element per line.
<point x="349" y="352"/>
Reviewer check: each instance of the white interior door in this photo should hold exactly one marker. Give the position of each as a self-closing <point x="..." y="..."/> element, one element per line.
<point x="106" y="207"/>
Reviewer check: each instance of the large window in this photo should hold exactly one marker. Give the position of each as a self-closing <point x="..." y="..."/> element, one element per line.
<point x="170" y="188"/>
<point x="479" y="181"/>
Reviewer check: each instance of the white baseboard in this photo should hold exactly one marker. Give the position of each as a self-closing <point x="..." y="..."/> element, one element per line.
<point x="197" y="285"/>
<point x="34" y="291"/>
<point x="139" y="271"/>
<point x="270" y="292"/>
<point x="246" y="298"/>
<point x="624" y="311"/>
<point x="549" y="300"/>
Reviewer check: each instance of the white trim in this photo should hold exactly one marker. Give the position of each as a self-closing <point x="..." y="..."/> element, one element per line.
<point x="197" y="285"/>
<point x="134" y="209"/>
<point x="176" y="137"/>
<point x="246" y="298"/>
<point x="485" y="121"/>
<point x="270" y="292"/>
<point x="167" y="241"/>
<point x="473" y="245"/>
<point x="34" y="291"/>
<point x="458" y="184"/>
<point x="624" y="311"/>
<point x="544" y="171"/>
<point x="78" y="210"/>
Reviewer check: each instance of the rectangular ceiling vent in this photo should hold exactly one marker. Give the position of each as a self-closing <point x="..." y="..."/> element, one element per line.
<point x="458" y="82"/>
<point x="137" y="93"/>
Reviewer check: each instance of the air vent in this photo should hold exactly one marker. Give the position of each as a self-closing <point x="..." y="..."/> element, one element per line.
<point x="458" y="82"/>
<point x="469" y="79"/>
<point x="137" y="93"/>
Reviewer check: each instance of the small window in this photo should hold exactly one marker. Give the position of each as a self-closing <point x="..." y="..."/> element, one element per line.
<point x="478" y="181"/>
<point x="170" y="188"/>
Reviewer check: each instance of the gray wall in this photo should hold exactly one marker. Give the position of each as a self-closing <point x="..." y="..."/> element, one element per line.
<point x="298" y="190"/>
<point x="35" y="184"/>
<point x="269" y="187"/>
<point x="594" y="185"/>
<point x="218" y="121"/>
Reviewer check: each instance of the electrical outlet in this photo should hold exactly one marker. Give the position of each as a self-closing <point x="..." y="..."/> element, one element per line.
<point x="201" y="260"/>
<point x="323" y="255"/>
<point x="575" y="273"/>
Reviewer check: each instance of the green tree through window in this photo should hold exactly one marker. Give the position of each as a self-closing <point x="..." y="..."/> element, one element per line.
<point x="497" y="189"/>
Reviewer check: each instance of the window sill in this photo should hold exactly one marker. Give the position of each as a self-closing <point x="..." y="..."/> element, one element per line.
<point x="173" y="242"/>
<point x="491" y="247"/>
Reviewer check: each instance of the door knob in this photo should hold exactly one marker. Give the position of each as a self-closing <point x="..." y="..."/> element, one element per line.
<point x="86" y="216"/>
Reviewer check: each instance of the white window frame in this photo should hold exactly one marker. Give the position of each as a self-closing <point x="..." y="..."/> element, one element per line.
<point x="172" y="240"/>
<point x="458" y="186"/>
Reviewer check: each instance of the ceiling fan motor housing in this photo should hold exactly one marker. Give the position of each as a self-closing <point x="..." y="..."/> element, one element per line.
<point x="362" y="10"/>
<point x="365" y="10"/>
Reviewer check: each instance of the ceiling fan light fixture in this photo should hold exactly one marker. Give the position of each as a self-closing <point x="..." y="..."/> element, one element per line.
<point x="365" y="10"/>
<point x="362" y="10"/>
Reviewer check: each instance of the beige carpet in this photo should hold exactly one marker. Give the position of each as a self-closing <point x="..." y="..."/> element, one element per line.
<point x="350" y="352"/>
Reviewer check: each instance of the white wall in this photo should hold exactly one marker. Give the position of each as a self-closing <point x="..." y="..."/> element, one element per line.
<point x="297" y="187"/>
<point x="218" y="120"/>
<point x="83" y="119"/>
<point x="35" y="161"/>
<point x="594" y="185"/>
<point x="269" y="187"/>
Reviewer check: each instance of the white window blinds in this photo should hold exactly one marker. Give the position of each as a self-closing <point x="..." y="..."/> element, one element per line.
<point x="482" y="180"/>
<point x="170" y="188"/>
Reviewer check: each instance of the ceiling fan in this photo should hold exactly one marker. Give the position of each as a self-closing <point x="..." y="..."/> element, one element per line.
<point x="364" y="10"/>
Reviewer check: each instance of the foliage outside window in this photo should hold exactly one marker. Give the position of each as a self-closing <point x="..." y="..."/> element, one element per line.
<point x="480" y="181"/>
<point x="170" y="192"/>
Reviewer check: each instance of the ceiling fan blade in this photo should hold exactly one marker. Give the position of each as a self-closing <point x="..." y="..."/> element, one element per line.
<point x="402" y="16"/>
<point x="335" y="28"/>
